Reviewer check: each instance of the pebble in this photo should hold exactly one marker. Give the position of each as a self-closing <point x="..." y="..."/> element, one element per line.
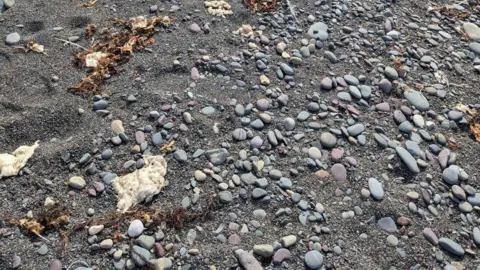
<point x="314" y="259"/>
<point x="476" y="235"/>
<point x="289" y="123"/>
<point x="356" y="129"/>
<point x="265" y="251"/>
<point x="247" y="260"/>
<point x="472" y="31"/>
<point x="208" y="111"/>
<point x="180" y="155"/>
<point x="55" y="265"/>
<point x="100" y="105"/>
<point x="289" y="240"/>
<point x="326" y="83"/>
<point x="140" y="260"/>
<point x="281" y="255"/>
<point x="385" y="85"/>
<point x="339" y="172"/>
<point x="163" y="264"/>
<point x="450" y="175"/>
<point x="93" y="230"/>
<point x="200" y="176"/>
<point x="327" y="139"/>
<point x="376" y="189"/>
<point x="392" y="240"/>
<point x="417" y="99"/>
<point x="76" y="182"/>
<point x="194" y="28"/>
<point x="451" y="246"/>
<point x="314" y="153"/>
<point x="319" y="31"/>
<point x="136" y="228"/>
<point x="12" y="38"/>
<point x="42" y="250"/>
<point x="387" y="224"/>
<point x="408" y="159"/>
<point x="225" y="196"/>
<point x="145" y="241"/>
<point x="106" y="244"/>
<point x="430" y="236"/>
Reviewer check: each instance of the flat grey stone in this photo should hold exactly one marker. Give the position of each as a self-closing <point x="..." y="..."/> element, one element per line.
<point x="326" y="83"/>
<point x="140" y="260"/>
<point x="247" y="260"/>
<point x="366" y="91"/>
<point x="12" y="38"/>
<point x="351" y="80"/>
<point x="451" y="246"/>
<point x="408" y="159"/>
<point x="289" y="123"/>
<point x="472" y="31"/>
<point x="417" y="99"/>
<point x="239" y="134"/>
<point x="476" y="235"/>
<point x="474" y="199"/>
<point x="344" y="96"/>
<point x="225" y="196"/>
<point x="286" y="69"/>
<point x="355" y="92"/>
<point x="391" y="73"/>
<point x="387" y="224"/>
<point x="327" y="139"/>
<point x="475" y="47"/>
<point x="217" y="156"/>
<point x="303" y="116"/>
<point x="376" y="189"/>
<point x="314" y="259"/>
<point x="209" y="110"/>
<point x="450" y="175"/>
<point x="385" y="85"/>
<point x="180" y="155"/>
<point x="145" y="241"/>
<point x="356" y="130"/>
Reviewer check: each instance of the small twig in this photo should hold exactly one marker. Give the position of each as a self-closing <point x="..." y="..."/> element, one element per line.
<point x="43" y="238"/>
<point x="290" y="6"/>
<point x="71" y="43"/>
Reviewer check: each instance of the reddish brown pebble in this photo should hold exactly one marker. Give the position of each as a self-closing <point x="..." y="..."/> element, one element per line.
<point x="281" y="255"/>
<point x="99" y="187"/>
<point x="234" y="239"/>
<point x="322" y="174"/>
<point x="92" y="192"/>
<point x="159" y="250"/>
<point x="404" y="221"/>
<point x="55" y="265"/>
<point x="337" y="154"/>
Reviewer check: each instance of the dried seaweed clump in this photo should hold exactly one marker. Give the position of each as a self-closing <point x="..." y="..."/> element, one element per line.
<point x="52" y="218"/>
<point x="103" y="57"/>
<point x="140" y="185"/>
<point x="261" y="5"/>
<point x="452" y="10"/>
